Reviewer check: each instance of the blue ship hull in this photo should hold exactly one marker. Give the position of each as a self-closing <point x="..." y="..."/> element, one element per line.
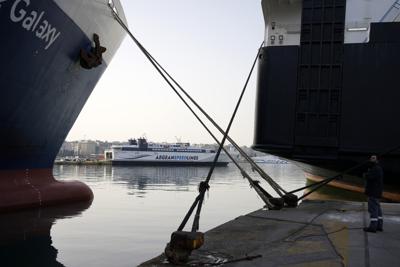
<point x="44" y="88"/>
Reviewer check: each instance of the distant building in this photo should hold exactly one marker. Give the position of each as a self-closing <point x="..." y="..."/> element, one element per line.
<point x="66" y="150"/>
<point x="87" y="148"/>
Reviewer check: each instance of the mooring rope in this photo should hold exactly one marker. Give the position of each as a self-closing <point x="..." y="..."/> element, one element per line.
<point x="280" y="191"/>
<point x="263" y="194"/>
<point x="318" y="185"/>
<point x="277" y="188"/>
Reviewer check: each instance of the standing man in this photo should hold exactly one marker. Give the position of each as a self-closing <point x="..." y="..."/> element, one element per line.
<point x="373" y="189"/>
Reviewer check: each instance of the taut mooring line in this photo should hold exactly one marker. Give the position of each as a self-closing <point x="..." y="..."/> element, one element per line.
<point x="163" y="72"/>
<point x="262" y="193"/>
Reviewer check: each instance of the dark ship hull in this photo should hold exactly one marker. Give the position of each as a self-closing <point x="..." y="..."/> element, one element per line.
<point x="328" y="90"/>
<point x="44" y="88"/>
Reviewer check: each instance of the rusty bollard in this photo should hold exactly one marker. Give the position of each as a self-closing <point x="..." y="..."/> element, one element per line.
<point x="181" y="246"/>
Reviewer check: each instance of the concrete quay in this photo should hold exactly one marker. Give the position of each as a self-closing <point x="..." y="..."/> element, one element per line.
<point x="317" y="233"/>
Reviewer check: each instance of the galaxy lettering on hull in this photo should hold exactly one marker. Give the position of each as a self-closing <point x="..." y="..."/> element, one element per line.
<point x="33" y="21"/>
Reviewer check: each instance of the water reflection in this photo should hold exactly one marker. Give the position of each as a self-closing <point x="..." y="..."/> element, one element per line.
<point x="135" y="209"/>
<point x="136" y="179"/>
<point x="25" y="238"/>
<point x="159" y="178"/>
<point x="90" y="173"/>
<point x="141" y="180"/>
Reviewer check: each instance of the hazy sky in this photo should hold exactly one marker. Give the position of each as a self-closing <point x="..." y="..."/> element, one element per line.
<point x="207" y="45"/>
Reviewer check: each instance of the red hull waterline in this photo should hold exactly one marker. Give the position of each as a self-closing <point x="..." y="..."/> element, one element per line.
<point x="33" y="188"/>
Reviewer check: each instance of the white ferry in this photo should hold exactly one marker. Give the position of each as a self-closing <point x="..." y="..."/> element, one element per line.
<point x="141" y="152"/>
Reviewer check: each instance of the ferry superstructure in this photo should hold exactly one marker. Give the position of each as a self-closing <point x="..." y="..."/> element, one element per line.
<point x="44" y="87"/>
<point x="141" y="152"/>
<point x="328" y="83"/>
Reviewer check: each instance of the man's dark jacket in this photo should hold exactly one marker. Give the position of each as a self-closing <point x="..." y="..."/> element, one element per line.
<point x="374" y="178"/>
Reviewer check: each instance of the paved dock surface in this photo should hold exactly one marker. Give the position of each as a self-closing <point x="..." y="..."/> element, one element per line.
<point x="317" y="233"/>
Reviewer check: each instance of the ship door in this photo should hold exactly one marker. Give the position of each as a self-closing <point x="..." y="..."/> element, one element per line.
<point x="319" y="84"/>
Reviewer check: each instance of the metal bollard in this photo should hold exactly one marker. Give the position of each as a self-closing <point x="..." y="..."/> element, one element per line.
<point x="291" y="200"/>
<point x="181" y="246"/>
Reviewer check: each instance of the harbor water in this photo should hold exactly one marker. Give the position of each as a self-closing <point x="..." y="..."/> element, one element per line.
<point x="134" y="211"/>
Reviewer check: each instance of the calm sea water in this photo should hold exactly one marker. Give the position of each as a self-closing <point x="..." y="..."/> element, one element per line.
<point x="134" y="211"/>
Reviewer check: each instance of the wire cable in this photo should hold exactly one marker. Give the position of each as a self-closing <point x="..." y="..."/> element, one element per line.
<point x="198" y="201"/>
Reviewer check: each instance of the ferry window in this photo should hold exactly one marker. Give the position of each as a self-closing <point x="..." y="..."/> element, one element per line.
<point x="129" y="149"/>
